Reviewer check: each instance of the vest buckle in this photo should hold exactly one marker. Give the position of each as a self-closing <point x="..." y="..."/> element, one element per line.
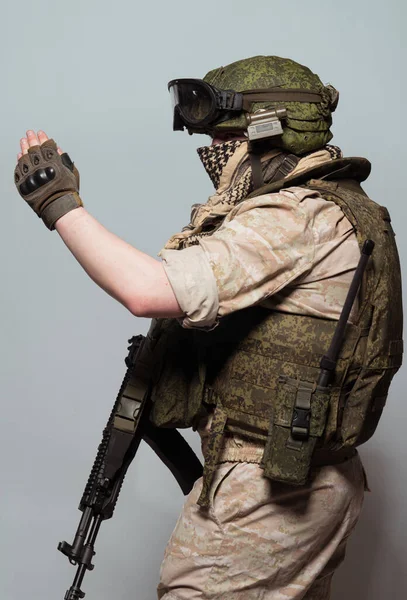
<point x="301" y="421"/>
<point x="300" y="425"/>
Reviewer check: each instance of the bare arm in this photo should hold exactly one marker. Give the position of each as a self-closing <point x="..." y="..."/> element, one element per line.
<point x="130" y="276"/>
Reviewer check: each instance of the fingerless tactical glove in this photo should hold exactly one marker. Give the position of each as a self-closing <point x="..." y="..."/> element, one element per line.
<point x="48" y="182"/>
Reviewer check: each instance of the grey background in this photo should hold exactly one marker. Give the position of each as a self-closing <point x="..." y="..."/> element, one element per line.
<point x="93" y="75"/>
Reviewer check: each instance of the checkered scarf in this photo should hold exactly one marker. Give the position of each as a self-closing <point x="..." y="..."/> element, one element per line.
<point x="228" y="166"/>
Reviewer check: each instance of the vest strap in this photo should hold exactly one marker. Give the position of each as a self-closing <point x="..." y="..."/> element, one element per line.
<point x="212" y="453"/>
<point x="255" y="162"/>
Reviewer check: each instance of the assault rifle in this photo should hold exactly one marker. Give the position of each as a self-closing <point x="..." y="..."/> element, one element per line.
<point x="128" y="424"/>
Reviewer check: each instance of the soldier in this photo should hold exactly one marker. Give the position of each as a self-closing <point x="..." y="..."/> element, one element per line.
<point x="245" y="302"/>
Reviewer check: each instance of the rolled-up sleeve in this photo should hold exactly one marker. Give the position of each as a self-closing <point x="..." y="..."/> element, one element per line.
<point x="194" y="285"/>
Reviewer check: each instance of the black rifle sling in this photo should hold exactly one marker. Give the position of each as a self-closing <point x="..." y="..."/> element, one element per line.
<point x="175" y="453"/>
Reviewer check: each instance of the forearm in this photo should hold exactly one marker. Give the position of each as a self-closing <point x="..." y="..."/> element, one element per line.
<point x="132" y="277"/>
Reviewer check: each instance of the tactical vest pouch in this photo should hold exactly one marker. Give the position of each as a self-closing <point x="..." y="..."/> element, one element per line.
<point x="365" y="404"/>
<point x="298" y="422"/>
<point x="178" y="377"/>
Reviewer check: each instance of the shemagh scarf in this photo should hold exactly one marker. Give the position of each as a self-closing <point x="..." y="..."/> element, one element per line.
<point x="229" y="168"/>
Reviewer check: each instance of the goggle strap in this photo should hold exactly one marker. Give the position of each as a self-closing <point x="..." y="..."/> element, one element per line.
<point x="287" y="95"/>
<point x="229" y="100"/>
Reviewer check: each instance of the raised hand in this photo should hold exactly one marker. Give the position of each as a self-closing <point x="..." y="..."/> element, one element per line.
<point x="46" y="178"/>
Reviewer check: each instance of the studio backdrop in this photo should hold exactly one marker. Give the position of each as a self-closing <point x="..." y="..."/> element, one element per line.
<point x="92" y="74"/>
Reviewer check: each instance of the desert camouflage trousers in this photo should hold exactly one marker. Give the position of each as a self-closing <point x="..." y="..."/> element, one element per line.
<point x="263" y="540"/>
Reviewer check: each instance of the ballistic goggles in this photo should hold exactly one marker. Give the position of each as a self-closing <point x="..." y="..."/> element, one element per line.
<point x="199" y="106"/>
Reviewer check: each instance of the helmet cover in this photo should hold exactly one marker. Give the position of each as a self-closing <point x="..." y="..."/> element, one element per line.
<point x="307" y="126"/>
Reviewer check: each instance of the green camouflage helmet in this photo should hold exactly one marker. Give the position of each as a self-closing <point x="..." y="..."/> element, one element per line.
<point x="306" y="127"/>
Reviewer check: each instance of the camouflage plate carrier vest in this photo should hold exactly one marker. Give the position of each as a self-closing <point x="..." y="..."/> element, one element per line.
<point x="258" y="365"/>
